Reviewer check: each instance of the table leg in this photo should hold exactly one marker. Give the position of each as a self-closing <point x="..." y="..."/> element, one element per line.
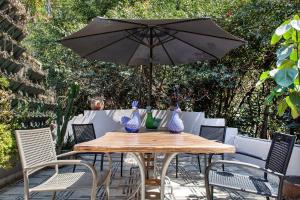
<point x="141" y="163"/>
<point x="166" y="162"/>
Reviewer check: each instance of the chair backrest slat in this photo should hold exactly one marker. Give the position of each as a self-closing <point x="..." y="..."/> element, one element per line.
<point x="83" y="132"/>
<point x="216" y="133"/>
<point x="280" y="152"/>
<point x="36" y="146"/>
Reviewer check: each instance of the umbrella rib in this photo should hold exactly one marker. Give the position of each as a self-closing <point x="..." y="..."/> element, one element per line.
<point x="162" y="44"/>
<point x="208" y="35"/>
<point x="185" y="42"/>
<point x="140" y="41"/>
<point x="183" y="20"/>
<point x="168" y="39"/>
<point x="124" y="21"/>
<point x="105" y="46"/>
<point x="135" y="50"/>
<point x="90" y="35"/>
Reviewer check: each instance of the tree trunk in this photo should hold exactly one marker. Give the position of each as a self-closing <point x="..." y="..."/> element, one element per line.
<point x="264" y="129"/>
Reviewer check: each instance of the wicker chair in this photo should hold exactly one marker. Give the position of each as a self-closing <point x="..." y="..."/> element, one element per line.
<point x="37" y="151"/>
<point x="216" y="133"/>
<point x="276" y="165"/>
<point x="84" y="133"/>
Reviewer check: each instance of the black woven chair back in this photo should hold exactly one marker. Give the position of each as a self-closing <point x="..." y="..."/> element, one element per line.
<point x="83" y="132"/>
<point x="216" y="133"/>
<point x="280" y="152"/>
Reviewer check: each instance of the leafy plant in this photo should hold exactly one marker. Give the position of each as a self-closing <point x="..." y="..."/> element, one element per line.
<point x="7" y="140"/>
<point x="7" y="146"/>
<point x="286" y="73"/>
<point x="65" y="112"/>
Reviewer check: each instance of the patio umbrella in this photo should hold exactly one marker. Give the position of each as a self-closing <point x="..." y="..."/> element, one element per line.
<point x="136" y="42"/>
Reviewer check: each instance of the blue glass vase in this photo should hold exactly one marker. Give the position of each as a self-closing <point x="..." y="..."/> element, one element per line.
<point x="175" y="125"/>
<point x="132" y="125"/>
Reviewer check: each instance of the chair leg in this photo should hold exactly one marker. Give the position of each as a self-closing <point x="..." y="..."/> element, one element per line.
<point x="26" y="194"/>
<point x="94" y="194"/>
<point x="95" y="158"/>
<point x="101" y="165"/>
<point x="212" y="192"/>
<point x="208" y="192"/>
<point x="223" y="166"/>
<point x="74" y="167"/>
<point x="122" y="155"/>
<point x="107" y="191"/>
<point x="53" y="195"/>
<point x="176" y="166"/>
<point x="26" y="186"/>
<point x="199" y="163"/>
<point x="210" y="158"/>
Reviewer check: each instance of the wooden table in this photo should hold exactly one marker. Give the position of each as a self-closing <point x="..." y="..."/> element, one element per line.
<point x="153" y="142"/>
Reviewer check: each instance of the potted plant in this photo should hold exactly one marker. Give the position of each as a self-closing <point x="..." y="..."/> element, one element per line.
<point x="97" y="103"/>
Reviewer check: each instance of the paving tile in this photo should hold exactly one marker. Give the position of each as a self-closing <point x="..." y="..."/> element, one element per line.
<point x="188" y="186"/>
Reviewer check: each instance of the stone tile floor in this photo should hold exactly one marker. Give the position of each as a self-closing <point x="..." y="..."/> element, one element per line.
<point x="188" y="186"/>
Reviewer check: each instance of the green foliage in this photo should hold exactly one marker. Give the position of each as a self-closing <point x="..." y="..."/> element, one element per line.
<point x="287" y="74"/>
<point x="7" y="146"/>
<point x="7" y="141"/>
<point x="223" y="88"/>
<point x="65" y="112"/>
<point x="4" y="83"/>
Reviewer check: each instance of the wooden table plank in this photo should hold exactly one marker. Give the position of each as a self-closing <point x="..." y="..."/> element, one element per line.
<point x="153" y="142"/>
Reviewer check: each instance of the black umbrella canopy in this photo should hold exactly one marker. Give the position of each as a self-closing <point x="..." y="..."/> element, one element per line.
<point x="137" y="42"/>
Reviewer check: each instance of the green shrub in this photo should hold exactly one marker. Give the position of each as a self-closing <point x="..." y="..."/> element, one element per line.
<point x="7" y="146"/>
<point x="7" y="140"/>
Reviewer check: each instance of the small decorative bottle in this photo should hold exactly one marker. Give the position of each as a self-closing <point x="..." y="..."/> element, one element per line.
<point x="151" y="122"/>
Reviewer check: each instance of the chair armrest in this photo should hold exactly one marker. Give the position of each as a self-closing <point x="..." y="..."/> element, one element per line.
<point x="64" y="162"/>
<point x="70" y="153"/>
<point x="227" y="162"/>
<point x="251" y="155"/>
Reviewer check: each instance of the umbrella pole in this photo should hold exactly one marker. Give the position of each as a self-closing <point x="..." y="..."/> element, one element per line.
<point x="140" y="82"/>
<point x="150" y="69"/>
<point x="150" y="85"/>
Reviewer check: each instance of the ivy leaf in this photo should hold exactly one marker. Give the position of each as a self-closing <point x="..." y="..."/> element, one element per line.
<point x="263" y="77"/>
<point x="282" y="106"/>
<point x="293" y="102"/>
<point x="275" y="38"/>
<point x="287" y="35"/>
<point x="279" y="62"/>
<point x="285" y="64"/>
<point x="293" y="55"/>
<point x="285" y="77"/>
<point x="283" y="28"/>
<point x="284" y="52"/>
<point x="273" y="72"/>
<point x="295" y="24"/>
<point x="277" y="91"/>
<point x="297" y="82"/>
<point x="270" y="98"/>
